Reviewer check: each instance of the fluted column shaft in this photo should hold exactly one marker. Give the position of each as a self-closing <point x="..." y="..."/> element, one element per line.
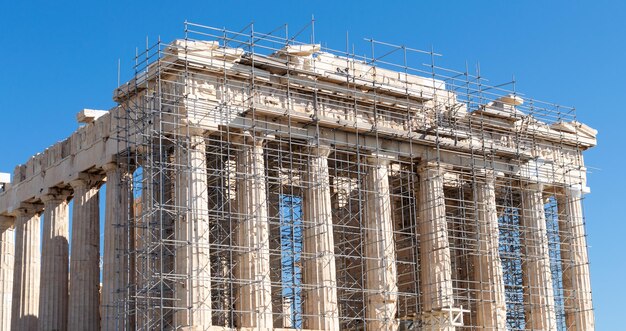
<point x="84" y="301"/>
<point x="320" y="305"/>
<point x="7" y="260"/>
<point x="254" y="303"/>
<point x="193" y="259"/>
<point x="381" y="277"/>
<point x="490" y="295"/>
<point x="25" y="312"/>
<point x="537" y="276"/>
<point x="115" y="263"/>
<point x="143" y="239"/>
<point x="55" y="264"/>
<point x="575" y="262"/>
<point x="435" y="268"/>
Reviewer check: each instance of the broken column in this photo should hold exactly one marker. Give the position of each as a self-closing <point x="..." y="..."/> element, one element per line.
<point x="320" y="311"/>
<point x="490" y="295"/>
<point x="25" y="312"/>
<point x="575" y="263"/>
<point x="54" y="262"/>
<point x="84" y="299"/>
<point x="7" y="259"/>
<point x="435" y="269"/>
<point x="381" y="277"/>
<point x="115" y="263"/>
<point x="537" y="276"/>
<point x="192" y="229"/>
<point x="254" y="302"/>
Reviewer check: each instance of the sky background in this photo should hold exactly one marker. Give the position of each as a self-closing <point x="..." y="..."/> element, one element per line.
<point x="60" y="57"/>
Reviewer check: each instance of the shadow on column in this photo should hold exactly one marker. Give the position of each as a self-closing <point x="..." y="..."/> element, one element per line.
<point x="28" y="323"/>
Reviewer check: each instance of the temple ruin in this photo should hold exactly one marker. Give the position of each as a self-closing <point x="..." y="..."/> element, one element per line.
<point x="255" y="181"/>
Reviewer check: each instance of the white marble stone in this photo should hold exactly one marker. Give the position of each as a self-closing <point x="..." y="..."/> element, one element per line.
<point x="490" y="295"/>
<point x="381" y="276"/>
<point x="575" y="261"/>
<point x="254" y="299"/>
<point x="115" y="276"/>
<point x="25" y="312"/>
<point x="537" y="277"/>
<point x="435" y="267"/>
<point x="84" y="299"/>
<point x="192" y="259"/>
<point x="53" y="300"/>
<point x="7" y="260"/>
<point x="320" y="307"/>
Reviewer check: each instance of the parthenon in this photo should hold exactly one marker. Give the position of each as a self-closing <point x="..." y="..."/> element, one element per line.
<point x="253" y="181"/>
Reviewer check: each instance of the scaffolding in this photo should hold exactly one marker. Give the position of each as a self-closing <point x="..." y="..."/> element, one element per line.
<point x="294" y="95"/>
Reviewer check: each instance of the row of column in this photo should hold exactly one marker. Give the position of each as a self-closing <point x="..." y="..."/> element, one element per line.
<point x="539" y="304"/>
<point x="41" y="288"/>
<point x="59" y="306"/>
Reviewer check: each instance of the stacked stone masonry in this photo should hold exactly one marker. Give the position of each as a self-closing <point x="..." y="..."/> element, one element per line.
<point x="298" y="188"/>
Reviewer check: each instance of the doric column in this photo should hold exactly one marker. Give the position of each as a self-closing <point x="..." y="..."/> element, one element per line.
<point x="193" y="261"/>
<point x="490" y="298"/>
<point x="53" y="297"/>
<point x="435" y="269"/>
<point x="254" y="302"/>
<point x="25" y="313"/>
<point x="537" y="277"/>
<point x="115" y="269"/>
<point x="381" y="277"/>
<point x="320" y="309"/>
<point x="84" y="301"/>
<point x="7" y="259"/>
<point x="140" y="260"/>
<point x="575" y="263"/>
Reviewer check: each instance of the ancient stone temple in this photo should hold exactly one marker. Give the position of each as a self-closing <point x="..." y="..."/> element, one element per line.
<point x="255" y="182"/>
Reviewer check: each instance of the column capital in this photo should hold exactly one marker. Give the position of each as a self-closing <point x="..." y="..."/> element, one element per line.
<point x="535" y="186"/>
<point x="111" y="166"/>
<point x="250" y="138"/>
<point x="379" y="159"/>
<point x="114" y="166"/>
<point x="186" y="127"/>
<point x="6" y="221"/>
<point x="433" y="167"/>
<point x="85" y="180"/>
<point x="193" y="131"/>
<point x="319" y="150"/>
<point x="55" y="195"/>
<point x="575" y="191"/>
<point x="28" y="209"/>
<point x="79" y="183"/>
<point x="489" y="175"/>
<point x="196" y="132"/>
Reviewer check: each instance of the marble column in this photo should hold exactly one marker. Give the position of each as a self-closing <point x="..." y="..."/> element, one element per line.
<point x="115" y="260"/>
<point x="537" y="276"/>
<point x="142" y="240"/>
<point x="25" y="312"/>
<point x="192" y="258"/>
<point x="7" y="259"/>
<point x="53" y="297"/>
<point x="434" y="247"/>
<point x="575" y="262"/>
<point x="381" y="277"/>
<point x="320" y="310"/>
<point x="254" y="302"/>
<point x="84" y="300"/>
<point x="488" y="275"/>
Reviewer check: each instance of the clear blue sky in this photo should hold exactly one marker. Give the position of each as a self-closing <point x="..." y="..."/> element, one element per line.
<point x="57" y="58"/>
